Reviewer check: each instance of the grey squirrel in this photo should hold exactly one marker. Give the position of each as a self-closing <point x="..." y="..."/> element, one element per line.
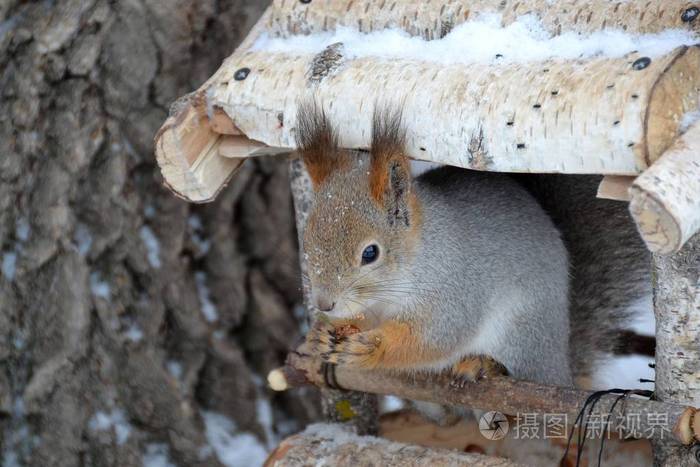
<point x="471" y="272"/>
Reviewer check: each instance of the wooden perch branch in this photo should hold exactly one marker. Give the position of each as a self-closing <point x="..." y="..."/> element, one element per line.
<point x="434" y="19"/>
<point x="666" y="197"/>
<point x="506" y="395"/>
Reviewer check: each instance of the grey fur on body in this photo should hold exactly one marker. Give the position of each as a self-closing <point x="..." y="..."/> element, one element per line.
<point x="501" y="270"/>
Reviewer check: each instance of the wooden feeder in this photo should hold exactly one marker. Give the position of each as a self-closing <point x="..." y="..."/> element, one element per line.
<point x="621" y="117"/>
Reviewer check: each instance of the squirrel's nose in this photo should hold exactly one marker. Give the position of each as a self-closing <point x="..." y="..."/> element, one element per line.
<point x="324" y="304"/>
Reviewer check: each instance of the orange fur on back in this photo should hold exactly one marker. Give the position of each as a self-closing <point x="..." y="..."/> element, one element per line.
<point x="388" y="139"/>
<point x="317" y="143"/>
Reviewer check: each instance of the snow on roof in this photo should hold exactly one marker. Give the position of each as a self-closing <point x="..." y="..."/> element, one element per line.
<point x="483" y="40"/>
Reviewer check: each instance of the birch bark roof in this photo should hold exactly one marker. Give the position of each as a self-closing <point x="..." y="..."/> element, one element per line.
<point x="611" y="111"/>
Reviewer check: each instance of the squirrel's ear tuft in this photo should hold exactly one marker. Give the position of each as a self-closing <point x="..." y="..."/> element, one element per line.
<point x="317" y="141"/>
<point x="390" y="171"/>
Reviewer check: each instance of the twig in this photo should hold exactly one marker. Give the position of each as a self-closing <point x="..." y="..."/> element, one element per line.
<point x="635" y="416"/>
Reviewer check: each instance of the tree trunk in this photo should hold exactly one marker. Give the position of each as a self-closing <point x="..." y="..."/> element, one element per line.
<point x="131" y="321"/>
<point x="676" y="306"/>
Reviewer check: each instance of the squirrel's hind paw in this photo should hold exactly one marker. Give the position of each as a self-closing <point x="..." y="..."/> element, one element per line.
<point x="477" y="368"/>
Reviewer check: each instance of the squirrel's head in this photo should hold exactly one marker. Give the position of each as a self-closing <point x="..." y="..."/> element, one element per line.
<point x="364" y="224"/>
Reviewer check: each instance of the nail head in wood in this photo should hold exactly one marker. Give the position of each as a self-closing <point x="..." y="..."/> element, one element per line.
<point x="690" y="14"/>
<point x="641" y="63"/>
<point x="241" y="74"/>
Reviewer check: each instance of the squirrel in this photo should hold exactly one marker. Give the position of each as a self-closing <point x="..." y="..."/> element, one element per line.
<point x="477" y="273"/>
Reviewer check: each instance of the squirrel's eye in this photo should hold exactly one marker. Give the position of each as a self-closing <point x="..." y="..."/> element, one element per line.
<point x="370" y="254"/>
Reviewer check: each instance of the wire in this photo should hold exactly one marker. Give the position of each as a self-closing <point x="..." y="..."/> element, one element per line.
<point x="589" y="406"/>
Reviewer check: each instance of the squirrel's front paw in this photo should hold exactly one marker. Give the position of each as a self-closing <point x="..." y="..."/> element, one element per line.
<point x="472" y="369"/>
<point x="349" y="349"/>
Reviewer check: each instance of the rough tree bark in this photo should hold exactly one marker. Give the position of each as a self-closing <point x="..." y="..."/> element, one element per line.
<point x="125" y="312"/>
<point x="677" y="310"/>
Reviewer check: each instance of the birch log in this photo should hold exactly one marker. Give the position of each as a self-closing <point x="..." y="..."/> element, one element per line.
<point x="666" y="197"/>
<point x="677" y="310"/>
<point x="189" y="143"/>
<point x="596" y="116"/>
<point x="434" y="19"/>
<point x="187" y="151"/>
<point x="336" y="445"/>
<point x="633" y="417"/>
<point x="603" y="115"/>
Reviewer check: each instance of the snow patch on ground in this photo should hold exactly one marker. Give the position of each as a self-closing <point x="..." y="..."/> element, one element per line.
<point x="104" y="421"/>
<point x="19" y="340"/>
<point x="196" y="234"/>
<point x="22" y="229"/>
<point x="390" y="404"/>
<point x="337" y="434"/>
<point x="99" y="287"/>
<point x="10" y="459"/>
<point x="149" y="211"/>
<point x="9" y="265"/>
<point x="134" y="333"/>
<point x="157" y="455"/>
<point x="264" y="415"/>
<point x="232" y="449"/>
<point x="208" y="308"/>
<point x="152" y="246"/>
<point x="83" y="239"/>
<point x="174" y="368"/>
<point x="484" y="40"/>
<point x="18" y="440"/>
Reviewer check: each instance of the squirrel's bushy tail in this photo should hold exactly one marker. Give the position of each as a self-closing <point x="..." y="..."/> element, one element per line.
<point x="610" y="266"/>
